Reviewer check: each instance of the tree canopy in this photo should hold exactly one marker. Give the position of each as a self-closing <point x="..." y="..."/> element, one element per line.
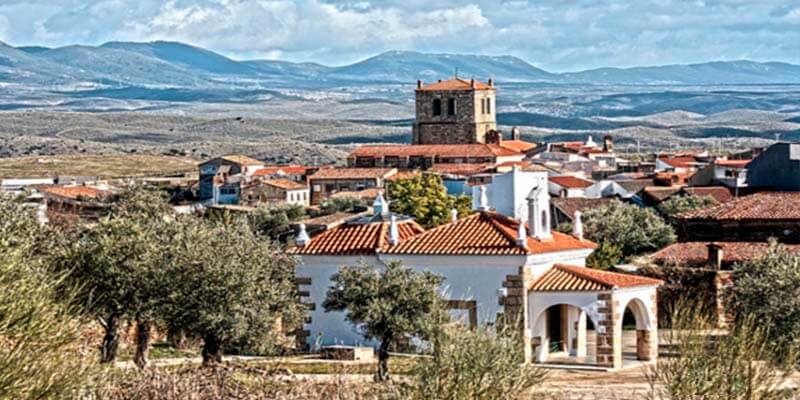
<point x="387" y="305"/>
<point x="679" y="204"/>
<point x="634" y="230"/>
<point x="425" y="198"/>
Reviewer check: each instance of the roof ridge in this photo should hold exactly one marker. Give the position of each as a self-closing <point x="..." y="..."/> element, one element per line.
<point x="573" y="269"/>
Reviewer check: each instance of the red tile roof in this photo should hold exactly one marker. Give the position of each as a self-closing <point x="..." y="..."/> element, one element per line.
<point x="286" y="169"/>
<point x="356" y="238"/>
<point x="242" y="160"/>
<point x="76" y="192"/>
<point x="695" y="254"/>
<point x="758" y="206"/>
<point x="456" y="84"/>
<point x="518" y="145"/>
<point x="732" y="163"/>
<point x="353" y="173"/>
<point x="571" y="182"/>
<point x="460" y="169"/>
<point x="720" y="194"/>
<point x="284" y="184"/>
<point x="483" y="233"/>
<point x="568" y="205"/>
<point x="434" y="150"/>
<point x="572" y="278"/>
<point x="679" y="161"/>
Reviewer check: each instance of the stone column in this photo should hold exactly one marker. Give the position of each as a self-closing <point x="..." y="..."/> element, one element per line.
<point x="723" y="283"/>
<point x="608" y="332"/>
<point x="646" y="345"/>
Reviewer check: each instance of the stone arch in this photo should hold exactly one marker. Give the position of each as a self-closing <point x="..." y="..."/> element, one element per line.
<point x="572" y="340"/>
<point x="646" y="329"/>
<point x="644" y="321"/>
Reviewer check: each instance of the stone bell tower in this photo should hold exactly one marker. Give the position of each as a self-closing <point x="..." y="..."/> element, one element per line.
<point x="455" y="111"/>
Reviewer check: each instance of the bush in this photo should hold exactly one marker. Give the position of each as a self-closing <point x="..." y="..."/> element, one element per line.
<point x="425" y="198"/>
<point x="680" y="204"/>
<point x="342" y="204"/>
<point x="633" y="229"/>
<point x="605" y="256"/>
<point x="474" y="364"/>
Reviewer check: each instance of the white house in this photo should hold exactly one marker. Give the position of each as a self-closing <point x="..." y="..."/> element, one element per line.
<point x="494" y="267"/>
<point x="507" y="192"/>
<point x="568" y="186"/>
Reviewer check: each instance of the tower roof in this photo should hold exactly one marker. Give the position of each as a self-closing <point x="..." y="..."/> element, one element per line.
<point x="456" y="84"/>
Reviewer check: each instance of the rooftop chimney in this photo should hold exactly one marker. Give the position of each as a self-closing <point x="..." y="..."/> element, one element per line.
<point x="472" y="83"/>
<point x="608" y="144"/>
<point x="483" y="203"/>
<point x="379" y="206"/>
<point x="590" y="142"/>
<point x="453" y="215"/>
<point x="394" y="236"/>
<point x="522" y="234"/>
<point x="491" y="82"/>
<point x="419" y="84"/>
<point x="539" y="211"/>
<point x="515" y="134"/>
<point x="715" y="255"/>
<point x="302" y="238"/>
<point x="577" y="225"/>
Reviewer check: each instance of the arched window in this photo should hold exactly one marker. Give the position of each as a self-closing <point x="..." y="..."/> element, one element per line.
<point x="488" y="106"/>
<point x="545" y="224"/>
<point x="451" y="107"/>
<point x="437" y="107"/>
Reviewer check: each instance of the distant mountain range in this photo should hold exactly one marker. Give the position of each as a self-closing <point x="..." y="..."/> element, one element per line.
<point x="177" y="65"/>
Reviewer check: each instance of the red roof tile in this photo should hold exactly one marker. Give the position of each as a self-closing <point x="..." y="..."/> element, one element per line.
<point x="732" y="163"/>
<point x="75" y="192"/>
<point x="695" y="254"/>
<point x="720" y="194"/>
<point x="758" y="206"/>
<point x="570" y="182"/>
<point x="460" y="169"/>
<point x="434" y="150"/>
<point x="353" y="173"/>
<point x="456" y="84"/>
<point x="354" y="238"/>
<point x="284" y="184"/>
<point x="242" y="160"/>
<point x="286" y="169"/>
<point x="483" y="233"/>
<point x="572" y="278"/>
<point x="679" y="161"/>
<point x="518" y="145"/>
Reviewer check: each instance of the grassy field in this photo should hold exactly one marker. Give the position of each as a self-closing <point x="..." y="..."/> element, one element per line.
<point x="103" y="166"/>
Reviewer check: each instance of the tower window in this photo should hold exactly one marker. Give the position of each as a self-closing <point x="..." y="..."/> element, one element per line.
<point x="451" y="107"/>
<point x="437" y="107"/>
<point x="483" y="106"/>
<point x="488" y="106"/>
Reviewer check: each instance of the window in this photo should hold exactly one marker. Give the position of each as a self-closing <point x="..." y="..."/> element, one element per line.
<point x="437" y="107"/>
<point x="488" y="106"/>
<point x="305" y="196"/>
<point x="483" y="106"/>
<point x="451" y="106"/>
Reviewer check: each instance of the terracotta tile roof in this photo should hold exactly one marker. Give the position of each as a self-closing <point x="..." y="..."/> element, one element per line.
<point x="483" y="233"/>
<point x="76" y="192"/>
<point x="242" y="160"/>
<point x="758" y="206"/>
<point x="732" y="163"/>
<point x="285" y="184"/>
<point x="460" y="169"/>
<point x="571" y="182"/>
<point x="434" y="150"/>
<point x="661" y="193"/>
<point x="456" y="84"/>
<point x="518" y="145"/>
<point x="354" y="238"/>
<point x="635" y="185"/>
<point x="570" y="278"/>
<point x="353" y="173"/>
<point x="568" y="205"/>
<point x="679" y="161"/>
<point x="695" y="254"/>
<point x="285" y="169"/>
<point x="720" y="194"/>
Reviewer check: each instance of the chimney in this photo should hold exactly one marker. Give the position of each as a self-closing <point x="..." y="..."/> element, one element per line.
<point x="491" y="82"/>
<point x="715" y="255"/>
<point x="608" y="144"/>
<point x="419" y="84"/>
<point x="522" y="234"/>
<point x="379" y="206"/>
<point x="577" y="225"/>
<point x="453" y="215"/>
<point x="302" y="238"/>
<point x="472" y="83"/>
<point x="515" y="134"/>
<point x="394" y="236"/>
<point x="539" y="211"/>
<point x="483" y="203"/>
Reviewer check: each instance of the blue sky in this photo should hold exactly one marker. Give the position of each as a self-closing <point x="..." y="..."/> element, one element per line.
<point x="558" y="35"/>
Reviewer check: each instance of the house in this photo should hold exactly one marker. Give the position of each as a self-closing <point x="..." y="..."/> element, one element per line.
<point x="427" y="156"/>
<point x="327" y="181"/>
<point x="777" y="168"/>
<point x="729" y="173"/>
<point x="568" y="186"/>
<point x="297" y="173"/>
<point x="68" y="204"/>
<point x="681" y="162"/>
<point x="18" y="185"/>
<point x="274" y="191"/>
<point x="221" y="178"/>
<point x="496" y="270"/>
<point x="755" y="217"/>
<point x="564" y="208"/>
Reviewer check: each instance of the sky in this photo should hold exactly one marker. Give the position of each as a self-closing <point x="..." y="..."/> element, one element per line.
<point x="557" y="35"/>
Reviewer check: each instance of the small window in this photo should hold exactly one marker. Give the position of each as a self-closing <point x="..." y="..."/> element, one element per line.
<point x="483" y="106"/>
<point x="544" y="221"/>
<point x="451" y="107"/>
<point x="488" y="106"/>
<point x="305" y="196"/>
<point x="437" y="107"/>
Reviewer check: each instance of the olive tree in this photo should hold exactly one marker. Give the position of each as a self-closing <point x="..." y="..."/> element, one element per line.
<point x="634" y="230"/>
<point x="425" y="198"/>
<point x="230" y="286"/>
<point x="387" y="305"/>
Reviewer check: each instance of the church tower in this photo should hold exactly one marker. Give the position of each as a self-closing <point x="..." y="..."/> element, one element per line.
<point x="455" y="111"/>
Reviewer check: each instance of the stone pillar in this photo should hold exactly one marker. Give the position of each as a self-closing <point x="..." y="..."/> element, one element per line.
<point x="723" y="283"/>
<point x="580" y="330"/>
<point x="515" y="309"/>
<point x="608" y="332"/>
<point x="646" y="345"/>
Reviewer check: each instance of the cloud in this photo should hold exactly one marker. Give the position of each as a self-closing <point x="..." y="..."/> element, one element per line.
<point x="552" y="34"/>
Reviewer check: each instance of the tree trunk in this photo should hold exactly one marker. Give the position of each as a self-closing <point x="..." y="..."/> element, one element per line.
<point x="383" y="360"/>
<point x="212" y="350"/>
<point x="108" y="350"/>
<point x="177" y="338"/>
<point x="143" y="329"/>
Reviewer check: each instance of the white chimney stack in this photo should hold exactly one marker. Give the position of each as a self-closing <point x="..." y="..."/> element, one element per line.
<point x="577" y="225"/>
<point x="302" y="238"/>
<point x="394" y="235"/>
<point x="453" y="215"/>
<point x="483" y="204"/>
<point x="379" y="206"/>
<point x="522" y="234"/>
<point x="539" y="211"/>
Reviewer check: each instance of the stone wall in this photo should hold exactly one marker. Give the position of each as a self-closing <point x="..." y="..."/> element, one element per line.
<point x="468" y="124"/>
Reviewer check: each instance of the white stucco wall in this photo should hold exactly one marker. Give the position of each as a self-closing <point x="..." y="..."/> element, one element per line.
<point x="508" y="192"/>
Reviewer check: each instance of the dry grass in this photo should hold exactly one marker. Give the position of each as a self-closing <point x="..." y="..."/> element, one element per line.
<point x="103" y="166"/>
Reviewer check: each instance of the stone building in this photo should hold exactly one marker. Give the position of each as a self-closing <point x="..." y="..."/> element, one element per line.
<point x="328" y="181"/>
<point x="455" y="111"/>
